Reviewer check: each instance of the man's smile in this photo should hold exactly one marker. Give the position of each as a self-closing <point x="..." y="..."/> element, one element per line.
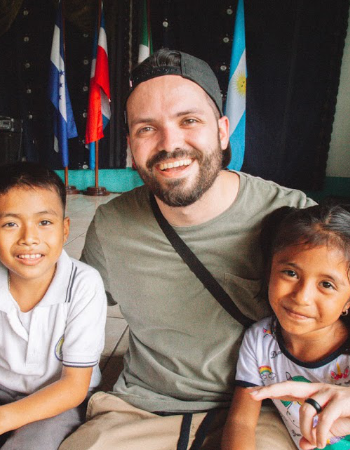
<point x="174" y="164"/>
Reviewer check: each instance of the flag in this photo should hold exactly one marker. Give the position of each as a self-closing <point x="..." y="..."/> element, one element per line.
<point x="145" y="45"/>
<point x="145" y="50"/>
<point x="99" y="110"/>
<point x="64" y="125"/>
<point x="236" y="92"/>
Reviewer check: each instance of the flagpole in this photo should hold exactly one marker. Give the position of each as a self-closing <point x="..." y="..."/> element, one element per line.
<point x="69" y="189"/>
<point x="97" y="190"/>
<point x="149" y="25"/>
<point x="96" y="165"/>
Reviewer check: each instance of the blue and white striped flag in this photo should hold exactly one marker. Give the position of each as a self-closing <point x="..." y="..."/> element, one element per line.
<point x="64" y="125"/>
<point x="236" y="93"/>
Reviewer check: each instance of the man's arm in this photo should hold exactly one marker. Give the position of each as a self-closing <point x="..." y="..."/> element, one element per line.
<point x="93" y="255"/>
<point x="239" y="431"/>
<point x="334" y="420"/>
<point x="66" y="393"/>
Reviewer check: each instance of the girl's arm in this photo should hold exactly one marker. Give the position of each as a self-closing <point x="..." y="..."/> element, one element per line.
<point x="239" y="431"/>
<point x="66" y="393"/>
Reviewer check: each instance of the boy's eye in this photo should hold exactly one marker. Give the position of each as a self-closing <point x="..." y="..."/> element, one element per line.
<point x="45" y="222"/>
<point x="9" y="225"/>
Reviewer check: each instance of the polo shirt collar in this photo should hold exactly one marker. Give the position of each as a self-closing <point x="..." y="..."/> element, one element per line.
<point x="58" y="291"/>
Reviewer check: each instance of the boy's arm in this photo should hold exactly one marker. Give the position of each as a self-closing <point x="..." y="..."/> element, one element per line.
<point x="66" y="393"/>
<point x="239" y="431"/>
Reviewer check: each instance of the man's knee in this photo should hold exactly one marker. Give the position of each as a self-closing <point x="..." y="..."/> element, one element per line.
<point x="272" y="433"/>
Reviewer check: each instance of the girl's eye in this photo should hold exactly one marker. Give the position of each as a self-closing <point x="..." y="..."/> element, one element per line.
<point x="327" y="285"/>
<point x="289" y="273"/>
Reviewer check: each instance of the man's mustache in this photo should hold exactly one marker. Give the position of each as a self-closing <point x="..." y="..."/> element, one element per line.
<point x="163" y="156"/>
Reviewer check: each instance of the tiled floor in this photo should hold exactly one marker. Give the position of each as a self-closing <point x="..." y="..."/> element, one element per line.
<point x="81" y="209"/>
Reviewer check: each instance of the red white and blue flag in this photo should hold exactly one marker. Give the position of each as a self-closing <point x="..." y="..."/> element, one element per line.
<point x="64" y="125"/>
<point x="99" y="111"/>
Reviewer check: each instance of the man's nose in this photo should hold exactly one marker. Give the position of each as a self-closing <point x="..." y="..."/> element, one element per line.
<point x="170" y="139"/>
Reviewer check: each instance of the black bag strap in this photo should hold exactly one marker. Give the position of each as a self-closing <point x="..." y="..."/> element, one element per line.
<point x="201" y="272"/>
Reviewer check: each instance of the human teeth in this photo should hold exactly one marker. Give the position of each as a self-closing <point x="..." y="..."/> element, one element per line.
<point x="35" y="256"/>
<point x="183" y="162"/>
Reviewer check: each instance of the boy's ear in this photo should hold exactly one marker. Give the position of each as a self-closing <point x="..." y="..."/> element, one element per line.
<point x="66" y="225"/>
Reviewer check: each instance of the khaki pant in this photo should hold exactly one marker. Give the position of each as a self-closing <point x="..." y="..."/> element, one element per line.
<point x="115" y="425"/>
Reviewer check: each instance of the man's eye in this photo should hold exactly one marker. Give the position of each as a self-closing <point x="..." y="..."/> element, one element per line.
<point x="144" y="130"/>
<point x="190" y="121"/>
<point x="45" y="222"/>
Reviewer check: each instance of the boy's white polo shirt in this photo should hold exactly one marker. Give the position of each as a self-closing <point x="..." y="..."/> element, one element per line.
<point x="67" y="328"/>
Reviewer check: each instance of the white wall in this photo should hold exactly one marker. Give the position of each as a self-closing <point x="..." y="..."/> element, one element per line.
<point x="338" y="164"/>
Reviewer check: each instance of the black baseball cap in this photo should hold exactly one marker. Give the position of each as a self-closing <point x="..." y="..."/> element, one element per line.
<point x="190" y="67"/>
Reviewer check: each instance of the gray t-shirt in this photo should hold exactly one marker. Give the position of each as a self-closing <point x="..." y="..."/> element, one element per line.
<point x="183" y="345"/>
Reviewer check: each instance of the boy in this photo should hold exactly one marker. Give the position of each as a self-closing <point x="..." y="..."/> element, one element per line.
<point x="52" y="314"/>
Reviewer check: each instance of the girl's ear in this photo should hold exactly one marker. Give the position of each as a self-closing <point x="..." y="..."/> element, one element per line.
<point x="346" y="308"/>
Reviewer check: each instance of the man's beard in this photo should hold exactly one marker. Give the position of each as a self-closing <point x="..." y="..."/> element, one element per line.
<point x="173" y="192"/>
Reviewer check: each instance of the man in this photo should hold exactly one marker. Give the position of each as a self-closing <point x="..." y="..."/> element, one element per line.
<point x="179" y="370"/>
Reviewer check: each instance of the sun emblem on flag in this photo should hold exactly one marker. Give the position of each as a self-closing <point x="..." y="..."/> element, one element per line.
<point x="240" y="83"/>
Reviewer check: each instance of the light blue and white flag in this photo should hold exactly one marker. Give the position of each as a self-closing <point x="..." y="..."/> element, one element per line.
<point x="64" y="125"/>
<point x="236" y="93"/>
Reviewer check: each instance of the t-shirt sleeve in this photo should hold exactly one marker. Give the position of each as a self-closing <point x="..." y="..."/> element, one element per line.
<point x="308" y="202"/>
<point x="85" y="328"/>
<point x="247" y="373"/>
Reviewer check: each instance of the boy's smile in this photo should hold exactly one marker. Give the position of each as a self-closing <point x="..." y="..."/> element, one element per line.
<point x="32" y="233"/>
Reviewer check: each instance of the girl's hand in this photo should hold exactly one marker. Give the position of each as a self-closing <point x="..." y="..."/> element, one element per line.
<point x="333" y="421"/>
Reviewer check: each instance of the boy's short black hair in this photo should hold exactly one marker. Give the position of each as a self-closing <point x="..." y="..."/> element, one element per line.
<point x="31" y="175"/>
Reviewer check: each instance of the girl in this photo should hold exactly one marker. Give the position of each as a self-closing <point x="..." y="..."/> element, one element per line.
<point x="307" y="255"/>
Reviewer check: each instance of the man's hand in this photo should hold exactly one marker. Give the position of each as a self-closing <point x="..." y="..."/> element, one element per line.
<point x="333" y="421"/>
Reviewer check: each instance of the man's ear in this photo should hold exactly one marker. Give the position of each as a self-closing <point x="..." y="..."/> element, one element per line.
<point x="224" y="129"/>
